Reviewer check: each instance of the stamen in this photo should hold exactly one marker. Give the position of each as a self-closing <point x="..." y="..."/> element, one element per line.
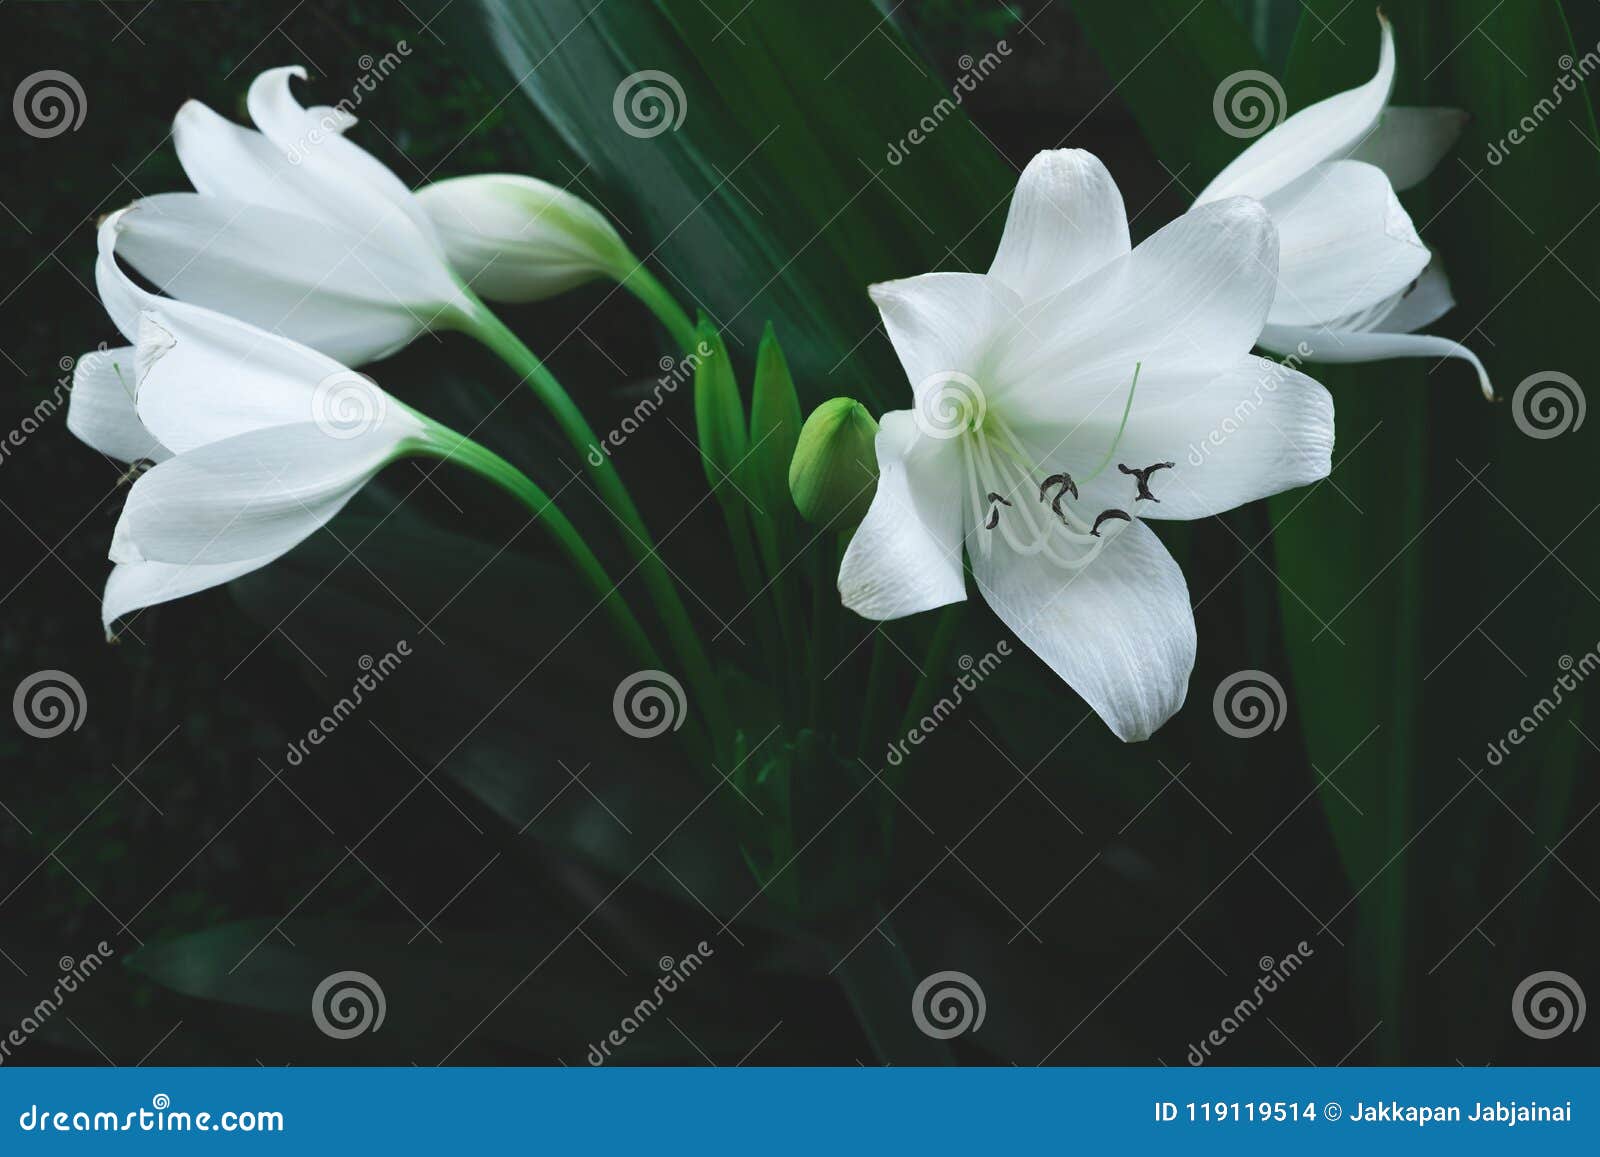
<point x="1142" y="477"/>
<point x="994" y="511"/>
<point x="1105" y="514"/>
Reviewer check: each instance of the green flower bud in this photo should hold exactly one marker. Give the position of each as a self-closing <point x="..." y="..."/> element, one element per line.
<point x="834" y="472"/>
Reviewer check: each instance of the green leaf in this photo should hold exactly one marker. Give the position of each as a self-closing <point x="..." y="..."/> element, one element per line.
<point x="719" y="416"/>
<point x="774" y="429"/>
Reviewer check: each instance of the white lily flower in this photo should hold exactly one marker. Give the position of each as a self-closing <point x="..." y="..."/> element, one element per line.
<point x="1075" y="353"/>
<point x="1355" y="279"/>
<point x="296" y="229"/>
<point x="258" y="442"/>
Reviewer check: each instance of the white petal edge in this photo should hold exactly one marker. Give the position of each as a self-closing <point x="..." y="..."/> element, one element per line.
<point x="1339" y="346"/>
<point x="905" y="556"/>
<point x="1120" y="631"/>
<point x="1422" y="304"/>
<point x="941" y="324"/>
<point x="1066" y="221"/>
<point x="132" y="586"/>
<point x="1345" y="244"/>
<point x="1330" y="129"/>
<point x="100" y="410"/>
<point x="223" y="159"/>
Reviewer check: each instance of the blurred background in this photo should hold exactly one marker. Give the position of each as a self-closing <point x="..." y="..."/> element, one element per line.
<point x="514" y="874"/>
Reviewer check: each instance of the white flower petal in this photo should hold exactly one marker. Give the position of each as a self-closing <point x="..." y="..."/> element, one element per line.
<point x="316" y="283"/>
<point x="251" y="495"/>
<point x="518" y="239"/>
<point x="1421" y="304"/>
<point x="1409" y="142"/>
<point x="1256" y="430"/>
<point x="942" y="323"/>
<point x="1344" y="242"/>
<point x="905" y="556"/>
<point x="223" y="159"/>
<point x="1327" y="345"/>
<point x="356" y="187"/>
<point x="133" y="586"/>
<point x="1120" y="630"/>
<point x="204" y="377"/>
<point x="1325" y="131"/>
<point x="1066" y="221"/>
<point x="1183" y="307"/>
<point x="100" y="410"/>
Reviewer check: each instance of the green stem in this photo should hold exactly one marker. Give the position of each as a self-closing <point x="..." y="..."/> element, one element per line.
<point x="643" y="284"/>
<point x="445" y="444"/>
<point x="492" y="332"/>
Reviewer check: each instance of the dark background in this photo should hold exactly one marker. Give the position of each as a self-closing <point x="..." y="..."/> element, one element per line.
<point x="510" y="868"/>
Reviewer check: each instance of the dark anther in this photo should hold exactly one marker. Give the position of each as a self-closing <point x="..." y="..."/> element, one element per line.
<point x="1068" y="486"/>
<point x="1105" y="514"/>
<point x="1143" y="478"/>
<point x="994" y="511"/>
